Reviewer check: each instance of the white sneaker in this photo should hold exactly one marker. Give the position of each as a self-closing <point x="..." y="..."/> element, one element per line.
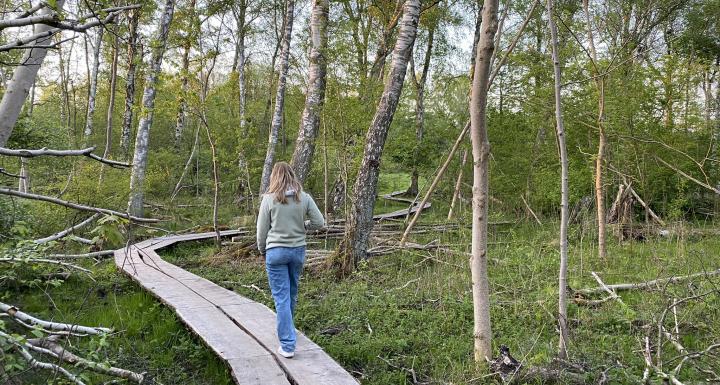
<point x="284" y="353"/>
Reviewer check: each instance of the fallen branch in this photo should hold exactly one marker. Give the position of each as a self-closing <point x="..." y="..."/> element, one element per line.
<point x="15" y="313"/>
<point x="75" y="206"/>
<point x="646" y="206"/>
<point x="67" y="231"/>
<point x="96" y="254"/>
<point x="39" y="364"/>
<point x="48" y="346"/>
<point x="49" y="261"/>
<point x="531" y="210"/>
<point x="613" y="295"/>
<point x="435" y="182"/>
<point x="647" y="285"/>
<point x="692" y="179"/>
<point x="88" y="152"/>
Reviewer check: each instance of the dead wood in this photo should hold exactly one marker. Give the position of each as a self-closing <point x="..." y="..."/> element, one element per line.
<point x="76" y="206"/>
<point x="88" y="152"/>
<point x="67" y="231"/>
<point x="648" y="285"/>
<point x="15" y="313"/>
<point x="48" y="346"/>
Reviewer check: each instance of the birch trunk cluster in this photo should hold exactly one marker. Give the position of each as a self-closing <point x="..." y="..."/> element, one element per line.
<point x="359" y="221"/>
<point x="310" y="120"/>
<point x="277" y="119"/>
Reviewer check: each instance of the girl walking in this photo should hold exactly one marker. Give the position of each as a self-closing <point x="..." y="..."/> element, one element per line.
<point x="286" y="212"/>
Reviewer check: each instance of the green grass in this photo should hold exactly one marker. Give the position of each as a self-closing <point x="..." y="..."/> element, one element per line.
<point x="148" y="337"/>
<point x="404" y="313"/>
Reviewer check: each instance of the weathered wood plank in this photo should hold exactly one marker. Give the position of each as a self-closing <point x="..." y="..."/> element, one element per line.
<point x="238" y="330"/>
<point x="310" y="366"/>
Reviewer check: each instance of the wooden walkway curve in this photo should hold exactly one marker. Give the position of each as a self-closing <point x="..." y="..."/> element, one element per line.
<point x="240" y="331"/>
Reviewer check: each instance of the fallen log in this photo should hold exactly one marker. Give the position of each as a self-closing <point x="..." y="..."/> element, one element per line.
<point x="88" y="152"/>
<point x="647" y="285"/>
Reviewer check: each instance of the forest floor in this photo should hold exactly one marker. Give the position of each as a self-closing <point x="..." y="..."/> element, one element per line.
<point x="406" y="317"/>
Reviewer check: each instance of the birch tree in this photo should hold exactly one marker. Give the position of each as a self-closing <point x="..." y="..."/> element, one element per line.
<point x="140" y="158"/>
<point x="420" y="107"/>
<point x="89" y="118"/>
<point x="132" y="42"/>
<point x="23" y="78"/>
<point x="279" y="97"/>
<point x="190" y="35"/>
<point x="315" y="98"/>
<point x="240" y="14"/>
<point x="560" y="127"/>
<point x="359" y="221"/>
<point x="482" y="332"/>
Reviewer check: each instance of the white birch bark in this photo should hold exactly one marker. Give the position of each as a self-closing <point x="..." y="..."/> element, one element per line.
<point x="181" y="119"/>
<point x="359" y="222"/>
<point x="23" y="78"/>
<point x="24" y="181"/>
<point x="93" y="85"/>
<point x="240" y="64"/>
<point x="137" y="178"/>
<point x="560" y="127"/>
<point x="310" y="121"/>
<point x="482" y="330"/>
<point x="279" y="97"/>
<point x="130" y="82"/>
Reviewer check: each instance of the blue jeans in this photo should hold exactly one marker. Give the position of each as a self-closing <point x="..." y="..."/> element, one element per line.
<point x="284" y="265"/>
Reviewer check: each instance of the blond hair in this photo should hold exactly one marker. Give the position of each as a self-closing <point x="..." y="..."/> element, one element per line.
<point x="282" y="180"/>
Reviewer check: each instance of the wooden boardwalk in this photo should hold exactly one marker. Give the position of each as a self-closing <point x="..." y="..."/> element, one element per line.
<point x="238" y="330"/>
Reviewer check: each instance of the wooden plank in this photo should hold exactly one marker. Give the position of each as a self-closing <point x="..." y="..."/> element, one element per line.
<point x="257" y="370"/>
<point x="238" y="330"/>
<point x="310" y="366"/>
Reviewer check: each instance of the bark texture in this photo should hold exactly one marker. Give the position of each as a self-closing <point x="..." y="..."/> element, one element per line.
<point x="181" y="119"/>
<point x="359" y="223"/>
<point x="130" y="82"/>
<point x="279" y="97"/>
<point x="482" y="331"/>
<point x="89" y="118"/>
<point x="137" y="178"/>
<point x="310" y="122"/>
<point x="18" y="87"/>
<point x="560" y="127"/>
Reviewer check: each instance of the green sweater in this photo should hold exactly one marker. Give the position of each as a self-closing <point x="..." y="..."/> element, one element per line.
<point x="284" y="225"/>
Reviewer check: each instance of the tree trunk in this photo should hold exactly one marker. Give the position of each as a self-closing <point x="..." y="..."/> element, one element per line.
<point x="359" y="223"/>
<point x="181" y="119"/>
<point x="310" y="122"/>
<point x="130" y="83"/>
<point x="24" y="181"/>
<point x="93" y="85"/>
<point x="279" y="97"/>
<point x="23" y="78"/>
<point x="482" y="331"/>
<point x="111" y="105"/>
<point x="240" y="63"/>
<point x="560" y="126"/>
<point x="600" y="159"/>
<point x="420" y="109"/>
<point x="140" y="158"/>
